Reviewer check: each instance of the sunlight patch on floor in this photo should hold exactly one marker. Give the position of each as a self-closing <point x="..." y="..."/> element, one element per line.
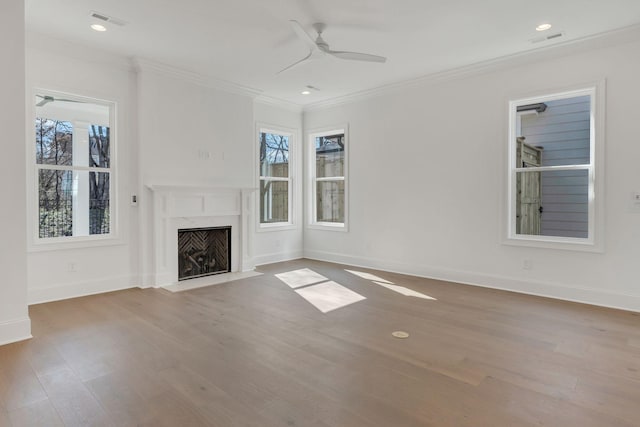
<point x="404" y="291"/>
<point x="390" y="285"/>
<point x="329" y="296"/>
<point x="368" y="276"/>
<point x="303" y="277"/>
<point x="319" y="291"/>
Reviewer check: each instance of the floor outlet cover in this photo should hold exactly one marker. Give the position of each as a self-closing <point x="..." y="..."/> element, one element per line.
<point x="400" y="334"/>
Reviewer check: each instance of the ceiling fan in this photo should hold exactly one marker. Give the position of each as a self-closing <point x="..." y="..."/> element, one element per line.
<point x="319" y="48"/>
<point x="48" y="98"/>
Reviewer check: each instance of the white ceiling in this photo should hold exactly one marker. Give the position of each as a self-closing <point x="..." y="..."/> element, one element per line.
<point x="248" y="41"/>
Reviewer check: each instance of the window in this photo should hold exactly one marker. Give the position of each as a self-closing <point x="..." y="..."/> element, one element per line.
<point x="73" y="167"/>
<point x="328" y="178"/>
<point x="275" y="178"/>
<point x="554" y="159"/>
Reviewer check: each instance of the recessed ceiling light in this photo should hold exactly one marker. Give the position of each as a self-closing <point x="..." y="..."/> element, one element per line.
<point x="98" y="27"/>
<point x="543" y="27"/>
<point x="306" y="92"/>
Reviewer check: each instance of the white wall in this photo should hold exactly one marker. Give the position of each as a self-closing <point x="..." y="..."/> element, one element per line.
<point x="77" y="70"/>
<point x="192" y="135"/>
<point x="172" y="129"/>
<point x="279" y="245"/>
<point x="14" y="318"/>
<point x="428" y="170"/>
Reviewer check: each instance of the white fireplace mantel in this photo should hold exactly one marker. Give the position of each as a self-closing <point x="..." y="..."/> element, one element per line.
<point x="180" y="206"/>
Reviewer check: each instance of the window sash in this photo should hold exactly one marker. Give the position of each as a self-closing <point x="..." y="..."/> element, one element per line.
<point x="593" y="241"/>
<point x="330" y="178"/>
<point x="271" y="178"/>
<point x="73" y="168"/>
<point x="262" y="224"/>
<point x="313" y="158"/>
<point x="86" y="117"/>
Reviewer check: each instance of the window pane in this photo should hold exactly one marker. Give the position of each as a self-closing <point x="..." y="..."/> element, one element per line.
<point x="99" y="146"/>
<point x="274" y="155"/>
<point x="54" y="142"/>
<point x="274" y="201"/>
<point x="330" y="201"/>
<point x="553" y="203"/>
<point x="559" y="135"/>
<point x="330" y="156"/>
<point x="55" y="203"/>
<point x="99" y="203"/>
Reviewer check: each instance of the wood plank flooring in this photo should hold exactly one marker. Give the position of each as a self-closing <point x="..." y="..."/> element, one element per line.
<point x="256" y="353"/>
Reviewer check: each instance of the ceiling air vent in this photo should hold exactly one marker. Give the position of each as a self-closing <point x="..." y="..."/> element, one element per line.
<point x="106" y="18"/>
<point x="547" y="38"/>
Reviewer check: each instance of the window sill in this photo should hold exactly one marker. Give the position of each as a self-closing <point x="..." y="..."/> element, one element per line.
<point x="277" y="226"/>
<point x="56" y="244"/>
<point x="544" y="242"/>
<point x="328" y="226"/>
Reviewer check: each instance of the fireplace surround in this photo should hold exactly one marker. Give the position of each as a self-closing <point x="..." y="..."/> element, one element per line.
<point x="178" y="207"/>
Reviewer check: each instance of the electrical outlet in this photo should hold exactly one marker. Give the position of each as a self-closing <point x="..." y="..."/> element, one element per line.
<point x="134" y="200"/>
<point x="634" y="202"/>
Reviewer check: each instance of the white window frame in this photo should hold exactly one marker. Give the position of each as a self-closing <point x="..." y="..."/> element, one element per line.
<point x="292" y="134"/>
<point x="594" y="240"/>
<point x="312" y="179"/>
<point x="35" y="242"/>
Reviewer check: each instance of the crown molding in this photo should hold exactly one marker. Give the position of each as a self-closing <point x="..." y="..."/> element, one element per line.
<point x="146" y="65"/>
<point x="279" y="103"/>
<point x="559" y="49"/>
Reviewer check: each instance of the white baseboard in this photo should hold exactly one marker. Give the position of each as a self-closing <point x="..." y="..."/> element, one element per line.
<point x="277" y="257"/>
<point x="530" y="287"/>
<point x="15" y="330"/>
<point x="78" y="289"/>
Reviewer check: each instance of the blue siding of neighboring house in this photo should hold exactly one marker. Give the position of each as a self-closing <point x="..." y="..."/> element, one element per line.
<point x="563" y="131"/>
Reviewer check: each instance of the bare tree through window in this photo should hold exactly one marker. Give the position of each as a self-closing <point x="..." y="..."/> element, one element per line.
<point x="274" y="177"/>
<point x="54" y="147"/>
<point x="73" y="167"/>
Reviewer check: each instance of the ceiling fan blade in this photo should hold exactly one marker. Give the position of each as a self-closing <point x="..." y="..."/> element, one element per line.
<point x="303" y="35"/>
<point x="356" y="56"/>
<point x="45" y="100"/>
<point x="296" y="63"/>
<point x="48" y="98"/>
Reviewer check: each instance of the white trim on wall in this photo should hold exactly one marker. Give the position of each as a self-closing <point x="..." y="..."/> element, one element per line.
<point x="277" y="257"/>
<point x="544" y="53"/>
<point x="310" y="171"/>
<point x="114" y="237"/>
<point x="78" y="289"/>
<point x="142" y="64"/>
<point x="529" y="287"/>
<point x="595" y="240"/>
<point x="15" y="330"/>
<point x="294" y="158"/>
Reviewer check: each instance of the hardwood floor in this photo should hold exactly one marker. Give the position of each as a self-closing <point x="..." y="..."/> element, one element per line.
<point x="255" y="353"/>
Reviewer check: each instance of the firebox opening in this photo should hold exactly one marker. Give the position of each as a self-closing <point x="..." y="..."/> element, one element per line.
<point x="203" y="252"/>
